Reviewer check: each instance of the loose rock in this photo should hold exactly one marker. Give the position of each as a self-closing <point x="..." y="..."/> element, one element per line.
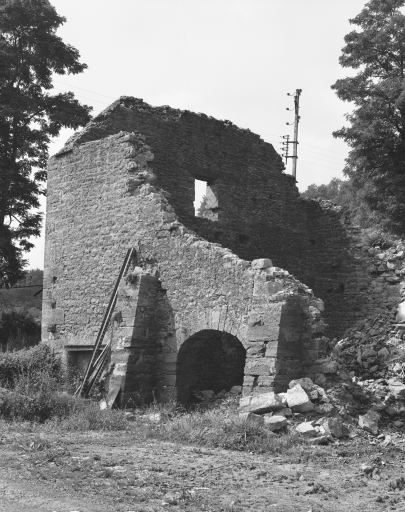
<point x="265" y="402"/>
<point x="369" y="421"/>
<point x="298" y="400"/>
<point x="275" y="423"/>
<point x="306" y="429"/>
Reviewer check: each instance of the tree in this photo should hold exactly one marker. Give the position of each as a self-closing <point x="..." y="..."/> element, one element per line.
<point x="30" y="53"/>
<point x="376" y="134"/>
<point x="202" y="209"/>
<point x="342" y="193"/>
<point x="331" y="191"/>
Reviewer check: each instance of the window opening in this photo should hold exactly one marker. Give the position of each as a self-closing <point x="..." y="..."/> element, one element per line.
<point x="206" y="202"/>
<point x="200" y="192"/>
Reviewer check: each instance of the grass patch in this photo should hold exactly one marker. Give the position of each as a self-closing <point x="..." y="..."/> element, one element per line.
<point x="220" y="428"/>
<point x="88" y="416"/>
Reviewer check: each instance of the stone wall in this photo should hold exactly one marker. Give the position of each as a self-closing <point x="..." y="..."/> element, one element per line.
<point x="94" y="216"/>
<point x="127" y="180"/>
<point x="259" y="211"/>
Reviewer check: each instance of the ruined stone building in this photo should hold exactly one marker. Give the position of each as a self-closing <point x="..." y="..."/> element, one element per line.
<point x="209" y="302"/>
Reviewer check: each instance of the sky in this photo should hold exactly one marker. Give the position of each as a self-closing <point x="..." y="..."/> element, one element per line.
<point x="231" y="59"/>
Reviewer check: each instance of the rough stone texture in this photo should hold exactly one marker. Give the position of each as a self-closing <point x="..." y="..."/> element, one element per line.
<point x="298" y="400"/>
<point x="265" y="402"/>
<point x="275" y="423"/>
<point x="397" y="389"/>
<point x="333" y="427"/>
<point x="133" y="348"/>
<point x="370" y="421"/>
<point x="306" y="429"/>
<point x="127" y="180"/>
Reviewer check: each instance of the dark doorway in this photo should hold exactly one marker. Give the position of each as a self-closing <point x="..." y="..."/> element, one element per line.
<point x="209" y="360"/>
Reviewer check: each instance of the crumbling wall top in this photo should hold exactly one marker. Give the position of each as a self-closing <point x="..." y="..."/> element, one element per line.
<point x="103" y="124"/>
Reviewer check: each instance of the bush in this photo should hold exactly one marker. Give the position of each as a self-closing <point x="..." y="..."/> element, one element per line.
<point x="18" y="329"/>
<point x="378" y="237"/>
<point x="32" y="381"/>
<point x="34" y="398"/>
<point x="29" y="363"/>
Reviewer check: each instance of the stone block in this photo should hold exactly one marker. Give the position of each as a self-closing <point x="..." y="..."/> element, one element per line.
<point x="298" y="400"/>
<point x="265" y="402"/>
<point x="369" y="422"/>
<point x="252" y="418"/>
<point x="283" y="398"/>
<point x="261" y="264"/>
<point x="257" y="349"/>
<point x="260" y="366"/>
<point x="287" y="412"/>
<point x="275" y="423"/>
<point x="334" y="427"/>
<point x="306" y="429"/>
<point x="260" y="332"/>
<point x="305" y="382"/>
<point x="397" y="389"/>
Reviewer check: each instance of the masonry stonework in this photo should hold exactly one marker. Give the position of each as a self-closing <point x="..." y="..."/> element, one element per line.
<point x="127" y="180"/>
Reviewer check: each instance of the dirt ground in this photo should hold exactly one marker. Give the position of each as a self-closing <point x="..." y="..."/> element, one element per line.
<point x="103" y="472"/>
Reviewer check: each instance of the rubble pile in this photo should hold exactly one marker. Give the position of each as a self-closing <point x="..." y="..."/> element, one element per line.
<point x="375" y="348"/>
<point x="322" y="416"/>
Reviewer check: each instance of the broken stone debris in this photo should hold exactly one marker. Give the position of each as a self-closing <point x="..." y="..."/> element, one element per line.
<point x="269" y="410"/>
<point x="306" y="429"/>
<point x="370" y="421"/>
<point x="298" y="400"/>
<point x="266" y="402"/>
<point x="275" y="423"/>
<point x="333" y="427"/>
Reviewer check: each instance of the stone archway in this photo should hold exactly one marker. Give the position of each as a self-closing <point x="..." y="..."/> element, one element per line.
<point x="209" y="360"/>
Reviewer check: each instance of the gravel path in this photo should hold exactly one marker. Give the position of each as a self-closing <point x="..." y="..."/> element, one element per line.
<point x="115" y="472"/>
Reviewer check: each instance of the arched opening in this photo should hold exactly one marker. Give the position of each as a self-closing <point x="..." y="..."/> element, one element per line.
<point x="209" y="360"/>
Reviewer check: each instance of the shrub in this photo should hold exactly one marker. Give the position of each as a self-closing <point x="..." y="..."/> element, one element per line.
<point x="379" y="237"/>
<point x="18" y="329"/>
<point x="39" y="360"/>
<point x="35" y="398"/>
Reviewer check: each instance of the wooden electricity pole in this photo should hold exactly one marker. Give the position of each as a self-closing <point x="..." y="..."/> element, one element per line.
<point x="296" y="122"/>
<point x="286" y="138"/>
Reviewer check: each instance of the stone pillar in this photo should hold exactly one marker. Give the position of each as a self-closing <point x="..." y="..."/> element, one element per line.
<point x="133" y="347"/>
<point x="280" y="337"/>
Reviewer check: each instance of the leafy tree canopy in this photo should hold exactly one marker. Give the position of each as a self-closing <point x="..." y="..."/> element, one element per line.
<point x="30" y="54"/>
<point x="376" y="131"/>
<point x="342" y="193"/>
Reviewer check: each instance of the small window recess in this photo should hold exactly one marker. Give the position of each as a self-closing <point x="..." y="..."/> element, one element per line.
<point x="205" y="200"/>
<point x="200" y="191"/>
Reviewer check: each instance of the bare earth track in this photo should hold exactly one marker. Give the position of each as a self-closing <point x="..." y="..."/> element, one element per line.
<point x="115" y="472"/>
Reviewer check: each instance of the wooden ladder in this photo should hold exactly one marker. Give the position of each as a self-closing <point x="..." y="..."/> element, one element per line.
<point x="97" y="362"/>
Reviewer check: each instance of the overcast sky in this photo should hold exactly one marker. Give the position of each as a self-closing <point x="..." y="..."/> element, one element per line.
<point x="232" y="59"/>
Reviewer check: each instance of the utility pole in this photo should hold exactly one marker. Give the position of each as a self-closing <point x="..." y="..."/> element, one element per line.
<point x="296" y="122"/>
<point x="294" y="142"/>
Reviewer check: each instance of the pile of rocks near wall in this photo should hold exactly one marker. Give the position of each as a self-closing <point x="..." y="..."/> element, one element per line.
<point x="375" y="348"/>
